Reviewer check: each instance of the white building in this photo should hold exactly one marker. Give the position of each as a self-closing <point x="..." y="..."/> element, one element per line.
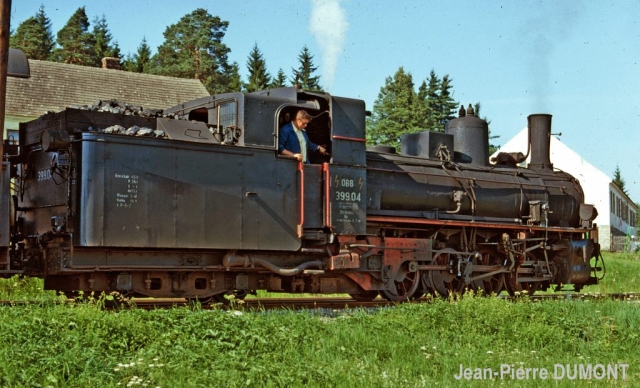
<point x="617" y="213"/>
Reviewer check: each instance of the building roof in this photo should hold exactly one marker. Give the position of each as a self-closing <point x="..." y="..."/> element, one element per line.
<point x="54" y="86"/>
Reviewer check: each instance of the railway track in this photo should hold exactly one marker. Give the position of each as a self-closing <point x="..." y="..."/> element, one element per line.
<point x="323" y="303"/>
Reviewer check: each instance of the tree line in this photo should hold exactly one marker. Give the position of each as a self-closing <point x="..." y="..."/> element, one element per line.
<point x="194" y="48"/>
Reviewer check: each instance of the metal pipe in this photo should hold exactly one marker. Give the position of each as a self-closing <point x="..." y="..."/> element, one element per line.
<point x="287" y="272"/>
<point x="5" y="18"/>
<point x="233" y="260"/>
<point x="301" y="169"/>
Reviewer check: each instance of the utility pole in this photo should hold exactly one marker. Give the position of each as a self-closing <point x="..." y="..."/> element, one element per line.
<point x="5" y="18"/>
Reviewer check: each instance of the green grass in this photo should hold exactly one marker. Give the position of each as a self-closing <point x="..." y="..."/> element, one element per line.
<point x="63" y="345"/>
<point x="409" y="345"/>
<point x="622" y="274"/>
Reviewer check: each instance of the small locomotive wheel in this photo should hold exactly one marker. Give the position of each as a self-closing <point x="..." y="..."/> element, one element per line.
<point x="225" y="297"/>
<point x="513" y="286"/>
<point x="364" y="296"/>
<point x="406" y="283"/>
<point x="445" y="283"/>
<point x="495" y="283"/>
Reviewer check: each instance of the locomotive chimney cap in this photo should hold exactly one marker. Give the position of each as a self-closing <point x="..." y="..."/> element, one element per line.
<point x="470" y="111"/>
<point x="461" y="112"/>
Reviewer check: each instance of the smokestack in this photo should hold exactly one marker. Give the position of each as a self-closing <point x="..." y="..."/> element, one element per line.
<point x="540" y="141"/>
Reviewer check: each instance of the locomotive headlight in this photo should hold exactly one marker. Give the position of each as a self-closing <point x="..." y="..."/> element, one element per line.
<point x="52" y="140"/>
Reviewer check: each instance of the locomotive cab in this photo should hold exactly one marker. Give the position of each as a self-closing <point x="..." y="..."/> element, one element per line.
<point x="331" y="190"/>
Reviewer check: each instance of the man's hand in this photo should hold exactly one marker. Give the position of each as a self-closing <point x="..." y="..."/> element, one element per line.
<point x="322" y="150"/>
<point x="298" y="157"/>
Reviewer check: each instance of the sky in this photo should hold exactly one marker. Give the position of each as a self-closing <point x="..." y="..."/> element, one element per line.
<point x="576" y="60"/>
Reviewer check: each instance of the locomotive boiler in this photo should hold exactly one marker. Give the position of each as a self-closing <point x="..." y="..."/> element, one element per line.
<point x="194" y="201"/>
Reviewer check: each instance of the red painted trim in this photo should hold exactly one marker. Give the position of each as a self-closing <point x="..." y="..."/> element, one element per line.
<point x="301" y="169"/>
<point x="327" y="195"/>
<point x="357" y="139"/>
<point x="423" y="221"/>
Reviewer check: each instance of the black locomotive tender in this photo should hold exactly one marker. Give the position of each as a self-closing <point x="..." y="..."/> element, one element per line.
<point x="202" y="206"/>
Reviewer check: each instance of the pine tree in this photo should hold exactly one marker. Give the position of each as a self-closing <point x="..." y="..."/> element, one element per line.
<point x="393" y="111"/>
<point x="303" y="76"/>
<point x="279" y="81"/>
<point x="618" y="180"/>
<point x="34" y="36"/>
<point x="193" y="48"/>
<point x="432" y="98"/>
<point x="102" y="37"/>
<point x="446" y="105"/>
<point x="140" y="62"/>
<point x="259" y="78"/>
<point x="233" y="79"/>
<point x="423" y="110"/>
<point x="77" y="44"/>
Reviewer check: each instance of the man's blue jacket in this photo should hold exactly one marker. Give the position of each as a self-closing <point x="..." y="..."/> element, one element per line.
<point x="288" y="140"/>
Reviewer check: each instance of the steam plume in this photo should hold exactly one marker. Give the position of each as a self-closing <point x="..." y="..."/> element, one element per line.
<point x="329" y="26"/>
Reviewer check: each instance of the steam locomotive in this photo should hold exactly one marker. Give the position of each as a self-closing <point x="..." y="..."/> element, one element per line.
<point x="195" y="202"/>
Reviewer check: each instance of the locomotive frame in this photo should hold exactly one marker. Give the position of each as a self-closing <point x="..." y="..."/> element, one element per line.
<point x="210" y="209"/>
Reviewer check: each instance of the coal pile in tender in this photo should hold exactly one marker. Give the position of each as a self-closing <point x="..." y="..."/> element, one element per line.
<point x="124" y="108"/>
<point x="131" y="131"/>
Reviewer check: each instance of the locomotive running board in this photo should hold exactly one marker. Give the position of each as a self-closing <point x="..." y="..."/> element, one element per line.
<point x="425" y="221"/>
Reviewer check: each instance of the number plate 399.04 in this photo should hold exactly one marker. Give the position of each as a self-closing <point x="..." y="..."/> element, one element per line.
<point x="346" y="199"/>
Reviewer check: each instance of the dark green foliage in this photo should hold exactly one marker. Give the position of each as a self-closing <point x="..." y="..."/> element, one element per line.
<point x="232" y="79"/>
<point x="303" y="75"/>
<point x="431" y="100"/>
<point x="77" y="44"/>
<point x="446" y="106"/>
<point x="279" y="81"/>
<point x="102" y="37"/>
<point x="618" y="180"/>
<point x="259" y="78"/>
<point x="193" y="48"/>
<point x="400" y="110"/>
<point x="394" y="111"/>
<point x="34" y="36"/>
<point x="140" y="62"/>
